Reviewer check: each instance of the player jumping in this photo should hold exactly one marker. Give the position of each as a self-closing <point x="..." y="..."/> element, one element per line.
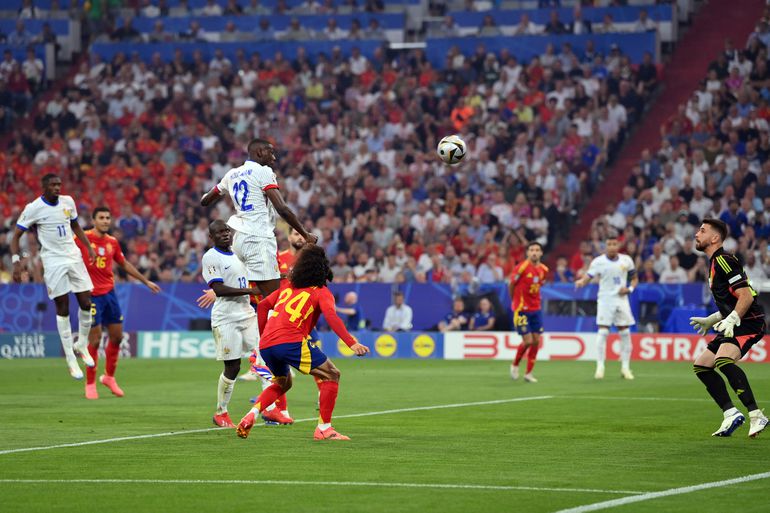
<point x="739" y="323"/>
<point x="55" y="216"/>
<point x="613" y="307"/>
<point x="104" y="302"/>
<point x="256" y="198"/>
<point x="295" y="311"/>
<point x="524" y="287"/>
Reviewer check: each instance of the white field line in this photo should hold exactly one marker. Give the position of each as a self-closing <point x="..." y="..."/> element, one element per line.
<point x="621" y="398"/>
<point x="445" y="486"/>
<point x="313" y="419"/>
<point x="664" y="493"/>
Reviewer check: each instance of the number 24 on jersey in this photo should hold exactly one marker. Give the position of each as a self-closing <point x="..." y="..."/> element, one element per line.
<point x="293" y="303"/>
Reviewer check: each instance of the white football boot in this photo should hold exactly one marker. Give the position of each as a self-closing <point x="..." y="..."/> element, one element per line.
<point x="757" y="422"/>
<point x="732" y="421"/>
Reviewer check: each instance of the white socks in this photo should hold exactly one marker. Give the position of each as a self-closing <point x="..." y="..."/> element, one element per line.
<point x="601" y="346"/>
<point x="65" y="333"/>
<point x="84" y="327"/>
<point x="224" y="392"/>
<point x="324" y="427"/>
<point x="625" y="349"/>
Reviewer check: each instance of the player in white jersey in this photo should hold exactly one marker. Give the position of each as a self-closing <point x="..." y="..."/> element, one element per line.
<point x="256" y="198"/>
<point x="614" y="270"/>
<point x="233" y="320"/>
<point x="55" y="217"/>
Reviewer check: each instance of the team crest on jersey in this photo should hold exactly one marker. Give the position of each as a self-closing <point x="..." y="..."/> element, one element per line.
<point x="68" y="213"/>
<point x="100" y="251"/>
<point x="536" y="279"/>
<point x="529" y="275"/>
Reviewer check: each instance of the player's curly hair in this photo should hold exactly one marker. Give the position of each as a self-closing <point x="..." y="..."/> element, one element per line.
<point x="311" y="268"/>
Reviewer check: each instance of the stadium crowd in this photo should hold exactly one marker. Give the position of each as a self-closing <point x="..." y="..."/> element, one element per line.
<point x="713" y="161"/>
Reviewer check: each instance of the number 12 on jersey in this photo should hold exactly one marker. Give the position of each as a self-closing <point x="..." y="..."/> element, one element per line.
<point x="293" y="305"/>
<point x="243" y="188"/>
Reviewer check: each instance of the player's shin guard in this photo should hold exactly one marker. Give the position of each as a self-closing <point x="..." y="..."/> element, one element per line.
<point x="520" y="353"/>
<point x="111" y="352"/>
<point x="224" y="392"/>
<point x="91" y="371"/>
<point x="328" y="399"/>
<point x="601" y="346"/>
<point x="715" y="386"/>
<point x="738" y="381"/>
<point x="625" y="349"/>
<point x="532" y="356"/>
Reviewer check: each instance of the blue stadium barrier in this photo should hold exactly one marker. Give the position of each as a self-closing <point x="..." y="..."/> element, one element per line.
<point x="267" y="49"/>
<point x="59" y="27"/>
<point x="174" y="308"/>
<point x="526" y="47"/>
<point x="657" y="13"/>
<point x="277" y="22"/>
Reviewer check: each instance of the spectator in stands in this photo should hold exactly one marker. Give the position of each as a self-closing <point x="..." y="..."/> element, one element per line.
<point x="158" y="33"/>
<point x="232" y="8"/>
<point x="332" y="31"/>
<point x="525" y="27"/>
<point x="579" y="26"/>
<point x="356" y="32"/>
<point x="554" y="25"/>
<point x="674" y="274"/>
<point x="484" y="318"/>
<point x="456" y="320"/>
<point x="648" y="274"/>
<point x="374" y="31"/>
<point x="644" y="23"/>
<point x="607" y="25"/>
<point x="295" y="32"/>
<point x="254" y="8"/>
<point x="398" y="316"/>
<point x="28" y="11"/>
<point x="181" y="9"/>
<point x="230" y="33"/>
<point x="194" y="32"/>
<point x="489" y="271"/>
<point x="489" y="28"/>
<point x="126" y="32"/>
<point x="264" y="32"/>
<point x="352" y="311"/>
<point x="735" y="218"/>
<point x="212" y="8"/>
<point x="21" y="36"/>
<point x="447" y="28"/>
<point x="562" y="273"/>
<point x="33" y="70"/>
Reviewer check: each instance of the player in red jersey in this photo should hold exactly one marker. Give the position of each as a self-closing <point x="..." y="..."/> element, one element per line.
<point x="284" y="338"/>
<point x="526" y="280"/>
<point x="104" y="303"/>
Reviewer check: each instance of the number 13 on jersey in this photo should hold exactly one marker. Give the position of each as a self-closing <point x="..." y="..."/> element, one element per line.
<point x="293" y="303"/>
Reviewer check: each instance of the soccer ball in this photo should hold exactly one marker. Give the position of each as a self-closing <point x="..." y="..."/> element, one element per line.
<point x="451" y="149"/>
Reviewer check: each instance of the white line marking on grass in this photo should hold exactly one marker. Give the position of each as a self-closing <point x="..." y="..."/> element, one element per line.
<point x="620" y="398"/>
<point x="316" y="483"/>
<point x="664" y="493"/>
<point x="313" y="419"/>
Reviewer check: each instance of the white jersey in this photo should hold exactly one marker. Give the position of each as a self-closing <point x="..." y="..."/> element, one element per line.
<point x="53" y="230"/>
<point x="225" y="267"/>
<point x="612" y="274"/>
<point x="254" y="214"/>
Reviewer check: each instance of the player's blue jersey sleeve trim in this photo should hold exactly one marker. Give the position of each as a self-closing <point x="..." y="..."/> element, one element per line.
<point x="21" y="227"/>
<point x="74" y="219"/>
<point x="220" y="280"/>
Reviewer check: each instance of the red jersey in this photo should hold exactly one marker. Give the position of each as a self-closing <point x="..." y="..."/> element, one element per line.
<point x="107" y="250"/>
<point x="295" y="313"/>
<point x="527" y="278"/>
<point x="285" y="263"/>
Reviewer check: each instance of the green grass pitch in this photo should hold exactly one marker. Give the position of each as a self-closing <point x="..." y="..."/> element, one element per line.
<point x="576" y="442"/>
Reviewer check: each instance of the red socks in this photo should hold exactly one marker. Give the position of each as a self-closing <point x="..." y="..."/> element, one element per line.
<point x="91" y="371"/>
<point x="318" y="382"/>
<point x="532" y="356"/>
<point x="327" y="399"/>
<point x="519" y="353"/>
<point x="268" y="396"/>
<point x="111" y="352"/>
<point x="281" y="403"/>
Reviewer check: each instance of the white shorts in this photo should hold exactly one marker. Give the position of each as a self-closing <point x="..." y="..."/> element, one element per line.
<point x="60" y="280"/>
<point x="235" y="339"/>
<point x="259" y="254"/>
<point x="614" y="312"/>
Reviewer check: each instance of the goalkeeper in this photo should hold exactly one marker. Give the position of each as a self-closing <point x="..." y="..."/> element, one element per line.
<point x="739" y="323"/>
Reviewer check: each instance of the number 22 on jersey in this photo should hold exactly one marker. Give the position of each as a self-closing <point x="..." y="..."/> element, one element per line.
<point x="293" y="303"/>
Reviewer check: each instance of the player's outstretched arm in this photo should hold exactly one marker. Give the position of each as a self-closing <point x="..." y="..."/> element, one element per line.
<point x="81" y="235"/>
<point x="222" y="290"/>
<point x="18" y="267"/>
<point x="134" y="273"/>
<point x="211" y="197"/>
<point x="275" y="197"/>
